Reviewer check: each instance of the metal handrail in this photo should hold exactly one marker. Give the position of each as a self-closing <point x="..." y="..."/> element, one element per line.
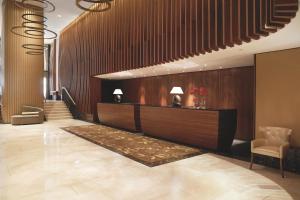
<point x="65" y="89"/>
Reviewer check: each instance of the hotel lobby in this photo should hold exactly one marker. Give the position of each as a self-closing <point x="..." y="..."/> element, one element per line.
<point x="152" y="100"/>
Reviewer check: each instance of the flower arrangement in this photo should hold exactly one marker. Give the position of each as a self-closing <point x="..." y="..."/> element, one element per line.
<point x="200" y="97"/>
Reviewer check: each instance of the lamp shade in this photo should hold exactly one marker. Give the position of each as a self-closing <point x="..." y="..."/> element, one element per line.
<point x="118" y="91"/>
<point x="176" y="90"/>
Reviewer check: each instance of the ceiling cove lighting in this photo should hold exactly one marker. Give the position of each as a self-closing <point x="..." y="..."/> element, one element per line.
<point x="99" y="5"/>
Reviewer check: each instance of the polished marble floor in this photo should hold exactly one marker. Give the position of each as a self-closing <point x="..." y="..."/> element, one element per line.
<point x="43" y="162"/>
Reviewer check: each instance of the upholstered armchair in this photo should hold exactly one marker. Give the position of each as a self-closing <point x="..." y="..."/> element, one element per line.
<point x="274" y="142"/>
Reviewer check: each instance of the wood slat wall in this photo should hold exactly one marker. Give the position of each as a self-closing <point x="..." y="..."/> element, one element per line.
<point x="227" y="88"/>
<point x="139" y="33"/>
<point x="23" y="74"/>
<point x="52" y="67"/>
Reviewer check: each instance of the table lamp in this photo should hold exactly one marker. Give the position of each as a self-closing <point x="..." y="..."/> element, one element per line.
<point x="117" y="93"/>
<point x="176" y="98"/>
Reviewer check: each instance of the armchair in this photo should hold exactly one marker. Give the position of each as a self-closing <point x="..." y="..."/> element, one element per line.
<point x="275" y="143"/>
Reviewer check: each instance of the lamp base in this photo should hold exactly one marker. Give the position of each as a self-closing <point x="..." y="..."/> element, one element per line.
<point x="176" y="101"/>
<point x="118" y="98"/>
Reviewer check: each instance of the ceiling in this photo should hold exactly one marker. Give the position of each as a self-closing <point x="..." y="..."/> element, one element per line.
<point x="237" y="56"/>
<point x="65" y="12"/>
<point x="243" y="55"/>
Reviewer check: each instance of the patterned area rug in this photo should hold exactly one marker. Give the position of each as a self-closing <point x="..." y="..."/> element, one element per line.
<point x="146" y="150"/>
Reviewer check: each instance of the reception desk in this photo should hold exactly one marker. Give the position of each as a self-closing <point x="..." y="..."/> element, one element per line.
<point x="124" y="116"/>
<point x="211" y="129"/>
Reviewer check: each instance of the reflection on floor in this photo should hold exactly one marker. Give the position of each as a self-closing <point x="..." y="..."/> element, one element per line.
<point x="44" y="162"/>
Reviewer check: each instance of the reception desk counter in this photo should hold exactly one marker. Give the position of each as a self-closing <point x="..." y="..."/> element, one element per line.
<point x="211" y="129"/>
<point x="124" y="116"/>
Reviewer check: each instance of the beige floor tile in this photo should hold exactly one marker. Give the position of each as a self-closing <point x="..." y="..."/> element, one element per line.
<point x="41" y="162"/>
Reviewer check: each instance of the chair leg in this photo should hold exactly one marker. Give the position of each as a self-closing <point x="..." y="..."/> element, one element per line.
<point x="281" y="167"/>
<point x="251" y="163"/>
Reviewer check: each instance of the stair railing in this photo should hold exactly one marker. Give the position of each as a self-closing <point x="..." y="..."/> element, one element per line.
<point x="69" y="101"/>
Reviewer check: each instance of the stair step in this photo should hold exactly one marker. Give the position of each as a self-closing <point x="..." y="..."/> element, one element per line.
<point x="58" y="105"/>
<point x="58" y="115"/>
<point x="51" y="108"/>
<point x="62" y="106"/>
<point x="54" y="104"/>
<point x="58" y="118"/>
<point x="56" y="110"/>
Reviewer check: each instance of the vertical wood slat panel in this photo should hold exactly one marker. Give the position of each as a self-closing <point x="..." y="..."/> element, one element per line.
<point x="138" y="33"/>
<point x="22" y="73"/>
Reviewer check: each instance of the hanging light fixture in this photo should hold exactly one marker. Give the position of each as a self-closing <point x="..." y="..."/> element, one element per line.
<point x="34" y="29"/>
<point x="33" y="25"/>
<point x="40" y="6"/>
<point x="34" y="49"/>
<point x="99" y="5"/>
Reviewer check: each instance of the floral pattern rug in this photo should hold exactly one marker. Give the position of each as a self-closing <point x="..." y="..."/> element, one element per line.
<point x="146" y="150"/>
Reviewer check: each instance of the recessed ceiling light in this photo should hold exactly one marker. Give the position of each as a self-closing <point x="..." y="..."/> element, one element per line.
<point x="59" y="16"/>
<point x="205" y="65"/>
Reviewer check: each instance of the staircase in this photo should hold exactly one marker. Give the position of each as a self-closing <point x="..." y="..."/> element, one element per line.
<point x="55" y="110"/>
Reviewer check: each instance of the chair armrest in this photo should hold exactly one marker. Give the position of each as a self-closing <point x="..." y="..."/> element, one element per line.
<point x="257" y="142"/>
<point x="284" y="149"/>
<point x="30" y="113"/>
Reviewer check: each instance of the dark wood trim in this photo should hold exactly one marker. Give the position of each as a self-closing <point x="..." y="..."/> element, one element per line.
<point x="277" y="51"/>
<point x="123" y="116"/>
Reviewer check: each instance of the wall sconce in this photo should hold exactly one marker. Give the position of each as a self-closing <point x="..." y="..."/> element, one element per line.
<point x="117" y="93"/>
<point x="176" y="98"/>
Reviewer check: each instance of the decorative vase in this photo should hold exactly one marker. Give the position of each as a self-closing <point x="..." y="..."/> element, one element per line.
<point x="202" y="103"/>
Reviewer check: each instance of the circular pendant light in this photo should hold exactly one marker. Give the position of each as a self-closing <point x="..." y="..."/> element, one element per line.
<point x="34" y="27"/>
<point x="40" y="6"/>
<point x="34" y="49"/>
<point x="100" y="5"/>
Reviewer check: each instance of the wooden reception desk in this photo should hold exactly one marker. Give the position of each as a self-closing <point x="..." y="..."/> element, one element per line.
<point x="124" y="116"/>
<point x="211" y="129"/>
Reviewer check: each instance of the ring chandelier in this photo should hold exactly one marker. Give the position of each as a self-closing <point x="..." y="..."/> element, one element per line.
<point x="33" y="25"/>
<point x="40" y="6"/>
<point x="99" y="5"/>
<point x="34" y="29"/>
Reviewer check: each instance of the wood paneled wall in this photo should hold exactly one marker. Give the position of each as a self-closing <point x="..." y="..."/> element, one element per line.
<point x="140" y="33"/>
<point x="228" y="88"/>
<point x="96" y="94"/>
<point x="52" y="67"/>
<point x="23" y="83"/>
<point x="277" y="91"/>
